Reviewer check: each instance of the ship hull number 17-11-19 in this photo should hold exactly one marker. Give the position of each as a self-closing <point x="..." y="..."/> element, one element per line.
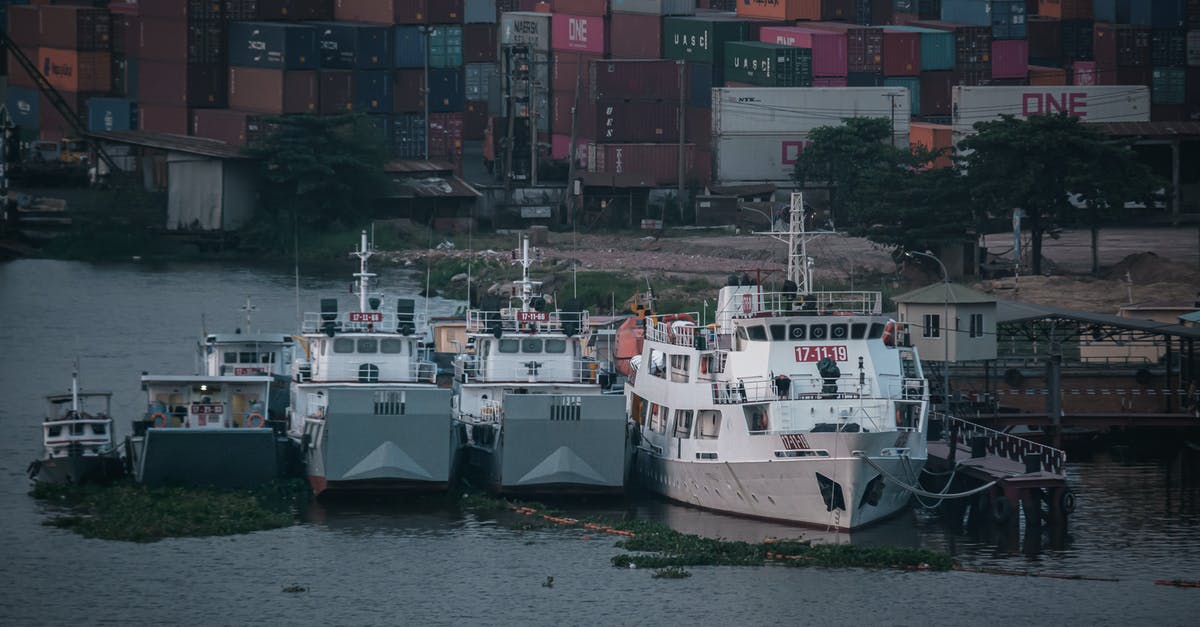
<point x="817" y="353"/>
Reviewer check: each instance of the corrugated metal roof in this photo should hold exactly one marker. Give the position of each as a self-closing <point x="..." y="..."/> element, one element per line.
<point x="177" y="143"/>
<point x="406" y="166"/>
<point x="1013" y="312"/>
<point x="1159" y="130"/>
<point x="938" y="293"/>
<point x="431" y="186"/>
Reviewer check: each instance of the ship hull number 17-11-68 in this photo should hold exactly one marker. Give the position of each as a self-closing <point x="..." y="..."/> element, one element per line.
<point x="817" y="353"/>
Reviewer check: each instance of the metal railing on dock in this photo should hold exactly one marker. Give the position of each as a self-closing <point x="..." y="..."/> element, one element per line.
<point x="1002" y="444"/>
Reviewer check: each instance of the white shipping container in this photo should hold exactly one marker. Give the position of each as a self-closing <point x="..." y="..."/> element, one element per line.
<point x="770" y="110"/>
<point x="749" y="158"/>
<point x="1193" y="48"/>
<point x="1093" y="103"/>
<point x="525" y="28"/>
<point x="655" y="7"/>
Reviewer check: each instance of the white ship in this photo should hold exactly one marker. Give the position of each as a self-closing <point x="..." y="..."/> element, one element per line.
<point x="365" y="408"/>
<point x="533" y="417"/>
<point x="791" y="406"/>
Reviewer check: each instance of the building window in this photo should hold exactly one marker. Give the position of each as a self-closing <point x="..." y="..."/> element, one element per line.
<point x="933" y="326"/>
<point x="976" y="325"/>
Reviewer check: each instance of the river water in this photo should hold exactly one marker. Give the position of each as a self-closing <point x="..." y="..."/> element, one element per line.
<point x="429" y="563"/>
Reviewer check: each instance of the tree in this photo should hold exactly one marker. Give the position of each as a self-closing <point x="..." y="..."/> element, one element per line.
<point x="885" y="193"/>
<point x="1055" y="169"/>
<point x="321" y="173"/>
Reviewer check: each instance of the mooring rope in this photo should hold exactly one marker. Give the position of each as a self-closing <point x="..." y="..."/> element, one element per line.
<point x="918" y="491"/>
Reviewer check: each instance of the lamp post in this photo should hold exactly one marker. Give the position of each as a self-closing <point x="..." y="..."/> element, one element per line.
<point x="426" y="31"/>
<point x="945" y="324"/>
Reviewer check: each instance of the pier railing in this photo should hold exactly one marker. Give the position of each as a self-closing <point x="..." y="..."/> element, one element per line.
<point x="815" y="303"/>
<point x="1004" y="444"/>
<point x="529" y="371"/>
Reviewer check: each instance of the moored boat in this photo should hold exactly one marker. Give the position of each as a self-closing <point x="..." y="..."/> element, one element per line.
<point x="250" y="352"/>
<point x="794" y="405"/>
<point x="366" y="412"/>
<point x="79" y="445"/>
<point x="532" y="414"/>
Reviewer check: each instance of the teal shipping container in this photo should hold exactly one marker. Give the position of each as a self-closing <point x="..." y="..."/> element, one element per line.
<point x="1168" y="86"/>
<point x="912" y="84"/>
<point x="937" y="47"/>
<point x="768" y="65"/>
<point x="446" y="46"/>
<point x="700" y="39"/>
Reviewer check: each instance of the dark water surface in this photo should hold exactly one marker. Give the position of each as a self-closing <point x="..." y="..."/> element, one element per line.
<point x="429" y="563"/>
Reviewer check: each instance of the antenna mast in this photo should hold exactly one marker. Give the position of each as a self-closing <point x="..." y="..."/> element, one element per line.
<point x="526" y="293"/>
<point x="364" y="278"/>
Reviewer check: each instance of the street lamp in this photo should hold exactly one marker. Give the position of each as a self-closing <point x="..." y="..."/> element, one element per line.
<point x="945" y="325"/>
<point x="426" y="30"/>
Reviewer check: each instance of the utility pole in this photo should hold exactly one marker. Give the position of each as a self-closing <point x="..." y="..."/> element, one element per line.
<point x="892" y="98"/>
<point x="6" y="126"/>
<point x="571" y="149"/>
<point x="533" y="134"/>
<point x="426" y="33"/>
<point x="510" y="53"/>
<point x="681" y="67"/>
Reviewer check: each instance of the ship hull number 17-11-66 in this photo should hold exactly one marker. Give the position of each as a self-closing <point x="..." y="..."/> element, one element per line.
<point x="817" y="353"/>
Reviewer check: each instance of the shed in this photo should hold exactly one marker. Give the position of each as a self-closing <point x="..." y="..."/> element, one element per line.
<point x="971" y="334"/>
<point x="428" y="191"/>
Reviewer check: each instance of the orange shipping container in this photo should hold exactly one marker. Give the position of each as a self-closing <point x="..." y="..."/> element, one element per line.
<point x="933" y="137"/>
<point x="780" y="9"/>
<point x="1039" y="75"/>
<point x="74" y="70"/>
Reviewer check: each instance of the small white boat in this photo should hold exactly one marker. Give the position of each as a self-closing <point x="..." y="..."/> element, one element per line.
<point x="795" y="405"/>
<point x="78" y="440"/>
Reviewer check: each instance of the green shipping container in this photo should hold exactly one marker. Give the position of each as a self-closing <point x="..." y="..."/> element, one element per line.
<point x="769" y="65"/>
<point x="913" y="84"/>
<point x="700" y="39"/>
<point x="445" y="46"/>
<point x="937" y="47"/>
<point x="1168" y="86"/>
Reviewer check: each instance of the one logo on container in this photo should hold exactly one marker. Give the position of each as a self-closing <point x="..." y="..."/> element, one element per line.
<point x="1071" y="103"/>
<point x="790" y="151"/>
<point x="577" y="30"/>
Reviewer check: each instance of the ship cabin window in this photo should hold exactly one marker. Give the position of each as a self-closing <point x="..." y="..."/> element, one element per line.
<point x="876" y="331"/>
<point x="248" y="357"/>
<point x="858" y="330"/>
<point x="742" y="338"/>
<point x="231" y="357"/>
<point x="757" y="333"/>
<point x="679" y="368"/>
<point x="368" y="373"/>
<point x="797" y="331"/>
<point x="756" y="418"/>
<point x="908" y="365"/>
<point x="76" y="429"/>
<point x="99" y="428"/>
<point x="658" y="363"/>
<point x="556" y="346"/>
<point x="708" y="424"/>
<point x="531" y="345"/>
<point x="510" y="345"/>
<point x="683" y="423"/>
<point x="818" y="332"/>
<point x="368" y="345"/>
<point x="839" y="331"/>
<point x="391" y="347"/>
<point x="778" y="332"/>
<point x="266" y="358"/>
<point x="54" y="431"/>
<point x="658" y="418"/>
<point x="343" y="345"/>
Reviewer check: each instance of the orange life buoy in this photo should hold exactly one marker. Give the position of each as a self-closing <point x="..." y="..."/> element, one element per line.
<point x="159" y="420"/>
<point x="255" y="420"/>
<point x="889" y="333"/>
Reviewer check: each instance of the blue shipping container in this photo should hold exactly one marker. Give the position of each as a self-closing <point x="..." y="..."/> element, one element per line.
<point x="274" y="45"/>
<point x="111" y="114"/>
<point x="937" y="47"/>
<point x="1006" y="17"/>
<point x="700" y="86"/>
<point x="348" y="46"/>
<point x="480" y="12"/>
<point x="1158" y="13"/>
<point x="408" y="47"/>
<point x="446" y="90"/>
<point x="1115" y="11"/>
<point x="373" y="91"/>
<point x="23" y="108"/>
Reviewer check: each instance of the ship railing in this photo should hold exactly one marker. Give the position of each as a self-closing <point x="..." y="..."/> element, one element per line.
<point x="765" y="304"/>
<point x="796" y="388"/>
<point x="1013" y="447"/>
<point x="383" y="320"/>
<point x="680" y="330"/>
<point x="908" y="388"/>
<point x="512" y="320"/>
<point x="531" y="371"/>
<point x="368" y="372"/>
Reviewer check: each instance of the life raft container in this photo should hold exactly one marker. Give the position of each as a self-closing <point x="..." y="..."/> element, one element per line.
<point x="889" y="333"/>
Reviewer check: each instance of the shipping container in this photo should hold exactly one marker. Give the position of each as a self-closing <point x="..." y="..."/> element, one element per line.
<point x="369" y="11"/>
<point x="1010" y="58"/>
<point x="336" y="92"/>
<point x="702" y="38"/>
<point x="654" y="7"/>
<point x="1005" y="17"/>
<point x="444" y="12"/>
<point x="579" y="33"/>
<point x="479" y="43"/>
<point x="636" y="36"/>
<point x="864" y="46"/>
<point x="1077" y="40"/>
<point x="901" y="53"/>
<point x="560" y="115"/>
<point x="1045" y="40"/>
<point x="111" y="114"/>
<point x="482" y="82"/>
<point x="524" y="28"/>
<point x="1168" y="48"/>
<point x="1083" y="73"/>
<point x="206" y="41"/>
<point x="227" y="125"/>
<point x="1168" y="86"/>
<point x="933" y="137"/>
<point x="768" y="65"/>
<point x="788" y="10"/>
<point x="972" y="44"/>
<point x="446" y="90"/>
<point x="1068" y="9"/>
<point x="647" y="165"/>
<point x="446" y="46"/>
<point x="828" y="48"/>
<point x="408" y="136"/>
<point x="278" y="45"/>
<point x="74" y="28"/>
<point x="597" y="8"/>
<point x="634" y="121"/>
<point x="758" y="132"/>
<point x="23" y="26"/>
<point x="569" y="68"/>
<point x="125" y="76"/>
<point x="936" y="93"/>
<point x="697" y="126"/>
<point x="854" y="79"/>
<point x="408" y="91"/>
<point x="346" y="46"/>
<point x="651" y="79"/>
<point x="1121" y="45"/>
<point x="408" y="47"/>
<point x="24" y="108"/>
<point x="373" y="91"/>
<point x="1158" y="14"/>
<point x="446" y="138"/>
<point x="73" y="70"/>
<point x="560" y="148"/>
<point x="1039" y="75"/>
<point x="162" y="39"/>
<point x="830" y="81"/>
<point x="261" y="90"/>
<point x="52" y="125"/>
<point x="910" y="83"/>
<point x="277" y="10"/>
<point x="479" y="12"/>
<point x="1193" y="48"/>
<point x="154" y="118"/>
<point x="475" y="119"/>
<point x="1094" y="104"/>
<point x="937" y="46"/>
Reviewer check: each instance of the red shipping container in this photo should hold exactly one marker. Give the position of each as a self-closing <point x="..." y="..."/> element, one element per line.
<point x="1121" y="45"/>
<point x="1068" y="9"/>
<point x="1039" y="75"/>
<point x="1045" y="37"/>
<point x="560" y="148"/>
<point x="200" y="85"/>
<point x="565" y="66"/>
<point x="17" y="76"/>
<point x="828" y="48"/>
<point x="52" y="125"/>
<point x="162" y="39"/>
<point x="163" y="119"/>
<point x="829" y="81"/>
<point x="370" y="11"/>
<point x="479" y="43"/>
<point x="23" y="26"/>
<point x="579" y="33"/>
<point x="902" y="53"/>
<point x="560" y="120"/>
<point x="399" y="11"/>
<point x="72" y="70"/>
<point x="645" y="164"/>
<point x="227" y="125"/>
<point x="337" y="92"/>
<point x="475" y="120"/>
<point x="1010" y="58"/>
<point x="1083" y="73"/>
<point x="446" y="139"/>
<point x="173" y="9"/>
<point x="446" y="12"/>
<point x="659" y="79"/>
<point x="864" y="46"/>
<point x="260" y="90"/>
<point x="409" y="11"/>
<point x="581" y="7"/>
<point x="626" y="121"/>
<point x="936" y="92"/>
<point x="636" y="36"/>
<point x="125" y="34"/>
<point x="407" y="94"/>
<point x="697" y="127"/>
<point x="74" y="28"/>
<point x="275" y="10"/>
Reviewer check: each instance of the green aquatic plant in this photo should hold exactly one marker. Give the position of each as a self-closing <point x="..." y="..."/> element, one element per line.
<point x="671" y="572"/>
<point x="294" y="589"/>
<point x="133" y="512"/>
